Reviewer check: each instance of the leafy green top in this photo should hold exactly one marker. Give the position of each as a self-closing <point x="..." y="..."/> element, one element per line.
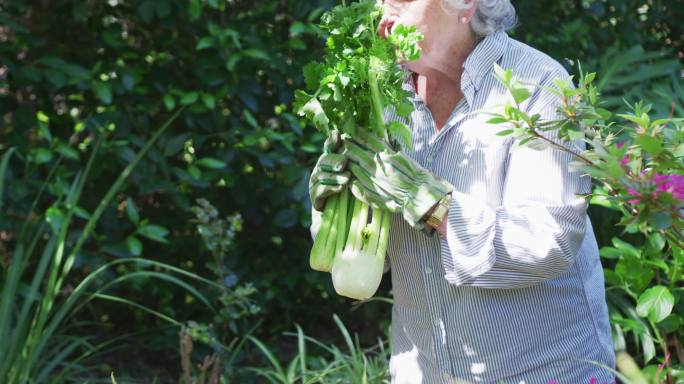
<point x="358" y="75"/>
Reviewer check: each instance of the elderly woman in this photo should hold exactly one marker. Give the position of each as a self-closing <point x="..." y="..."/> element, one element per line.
<point x="510" y="289"/>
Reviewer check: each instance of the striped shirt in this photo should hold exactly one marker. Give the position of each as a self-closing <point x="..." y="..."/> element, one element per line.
<point x="514" y="292"/>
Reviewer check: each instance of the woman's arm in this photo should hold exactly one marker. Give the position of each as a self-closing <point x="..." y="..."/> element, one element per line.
<point x="536" y="232"/>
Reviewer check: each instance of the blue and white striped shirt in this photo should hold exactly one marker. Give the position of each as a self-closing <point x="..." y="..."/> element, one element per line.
<point x="514" y="292"/>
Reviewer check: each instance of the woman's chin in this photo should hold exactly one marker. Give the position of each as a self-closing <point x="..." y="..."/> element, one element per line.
<point x="413" y="66"/>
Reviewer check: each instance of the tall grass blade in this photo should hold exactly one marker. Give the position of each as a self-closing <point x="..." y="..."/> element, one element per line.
<point x="347" y="337"/>
<point x="271" y="358"/>
<point x="301" y="347"/>
<point x="3" y="170"/>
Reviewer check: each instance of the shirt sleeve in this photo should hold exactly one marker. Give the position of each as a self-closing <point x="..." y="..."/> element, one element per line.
<point x="535" y="233"/>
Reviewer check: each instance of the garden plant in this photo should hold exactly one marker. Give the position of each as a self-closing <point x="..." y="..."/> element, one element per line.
<point x="154" y="211"/>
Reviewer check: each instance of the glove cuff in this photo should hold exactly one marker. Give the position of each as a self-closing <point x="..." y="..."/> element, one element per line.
<point x="422" y="196"/>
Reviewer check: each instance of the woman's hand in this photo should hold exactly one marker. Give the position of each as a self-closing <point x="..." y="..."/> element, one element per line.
<point x="329" y="176"/>
<point x="387" y="179"/>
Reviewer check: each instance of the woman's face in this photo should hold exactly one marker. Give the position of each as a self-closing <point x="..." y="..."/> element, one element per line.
<point x="441" y="26"/>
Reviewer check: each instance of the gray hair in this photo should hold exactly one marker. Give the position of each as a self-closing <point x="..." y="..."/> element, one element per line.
<point x="491" y="15"/>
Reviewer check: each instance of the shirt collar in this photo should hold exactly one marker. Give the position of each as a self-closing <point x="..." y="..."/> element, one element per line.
<point x="478" y="63"/>
<point x="481" y="60"/>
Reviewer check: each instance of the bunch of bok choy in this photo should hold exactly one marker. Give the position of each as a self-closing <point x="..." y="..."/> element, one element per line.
<point x="348" y="90"/>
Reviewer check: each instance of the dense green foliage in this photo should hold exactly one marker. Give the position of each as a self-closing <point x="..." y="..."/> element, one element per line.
<point x="358" y="77"/>
<point x="70" y="71"/>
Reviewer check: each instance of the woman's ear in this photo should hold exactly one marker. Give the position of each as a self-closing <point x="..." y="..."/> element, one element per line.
<point x="466" y="15"/>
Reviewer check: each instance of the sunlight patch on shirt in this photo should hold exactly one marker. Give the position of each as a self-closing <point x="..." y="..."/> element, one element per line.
<point x="405" y="368"/>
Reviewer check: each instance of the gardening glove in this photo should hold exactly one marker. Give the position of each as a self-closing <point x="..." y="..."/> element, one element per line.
<point x="329" y="176"/>
<point x="387" y="179"/>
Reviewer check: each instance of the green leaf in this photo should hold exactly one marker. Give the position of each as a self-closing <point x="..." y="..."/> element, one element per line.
<point x="169" y="102"/>
<point x="55" y="218"/>
<point x="650" y="144"/>
<point x="67" y="151"/>
<point x="679" y="151"/>
<point x="297" y="44"/>
<point x="296" y="28"/>
<point x="154" y="232"/>
<point x="194" y="9"/>
<point x="643" y="122"/>
<point x="55" y="77"/>
<point x="504" y="76"/>
<point x="656" y="303"/>
<point x="209" y="162"/>
<point x="626" y="248"/>
<point x="603" y="201"/>
<point x="251" y="120"/>
<point x="660" y="220"/>
<point x="314" y="111"/>
<point x="82" y="213"/>
<point x="194" y="171"/>
<point x="232" y="61"/>
<point x="133" y="245"/>
<point x="209" y="100"/>
<point x="204" y="43"/>
<point x="497" y="120"/>
<point x="189" y="98"/>
<point x="610" y="253"/>
<point x="132" y="212"/>
<point x="520" y="94"/>
<point x="404" y="109"/>
<point x="102" y="91"/>
<point x="671" y="323"/>
<point x="256" y="54"/>
<point x="635" y="273"/>
<point x="656" y="242"/>
<point x="43" y="126"/>
<point x="589" y="77"/>
<point x="406" y="39"/>
<point x="41" y="155"/>
<point x="402" y="132"/>
<point x="42" y="117"/>
<point x="648" y="346"/>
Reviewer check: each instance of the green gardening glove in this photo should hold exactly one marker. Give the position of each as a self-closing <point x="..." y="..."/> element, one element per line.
<point x="387" y="179"/>
<point x="329" y="176"/>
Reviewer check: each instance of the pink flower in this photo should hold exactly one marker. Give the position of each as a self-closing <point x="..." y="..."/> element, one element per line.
<point x="593" y="380"/>
<point x="625" y="159"/>
<point x="633" y="192"/>
<point x="672" y="184"/>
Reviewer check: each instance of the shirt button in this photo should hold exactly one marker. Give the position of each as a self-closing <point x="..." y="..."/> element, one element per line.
<point x="430" y="158"/>
<point x="428" y="270"/>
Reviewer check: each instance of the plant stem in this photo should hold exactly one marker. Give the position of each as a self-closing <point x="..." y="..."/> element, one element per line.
<point x="376" y="101"/>
<point x="383" y="241"/>
<point x="317" y="258"/>
<point x="342" y="222"/>
<point x="561" y="147"/>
